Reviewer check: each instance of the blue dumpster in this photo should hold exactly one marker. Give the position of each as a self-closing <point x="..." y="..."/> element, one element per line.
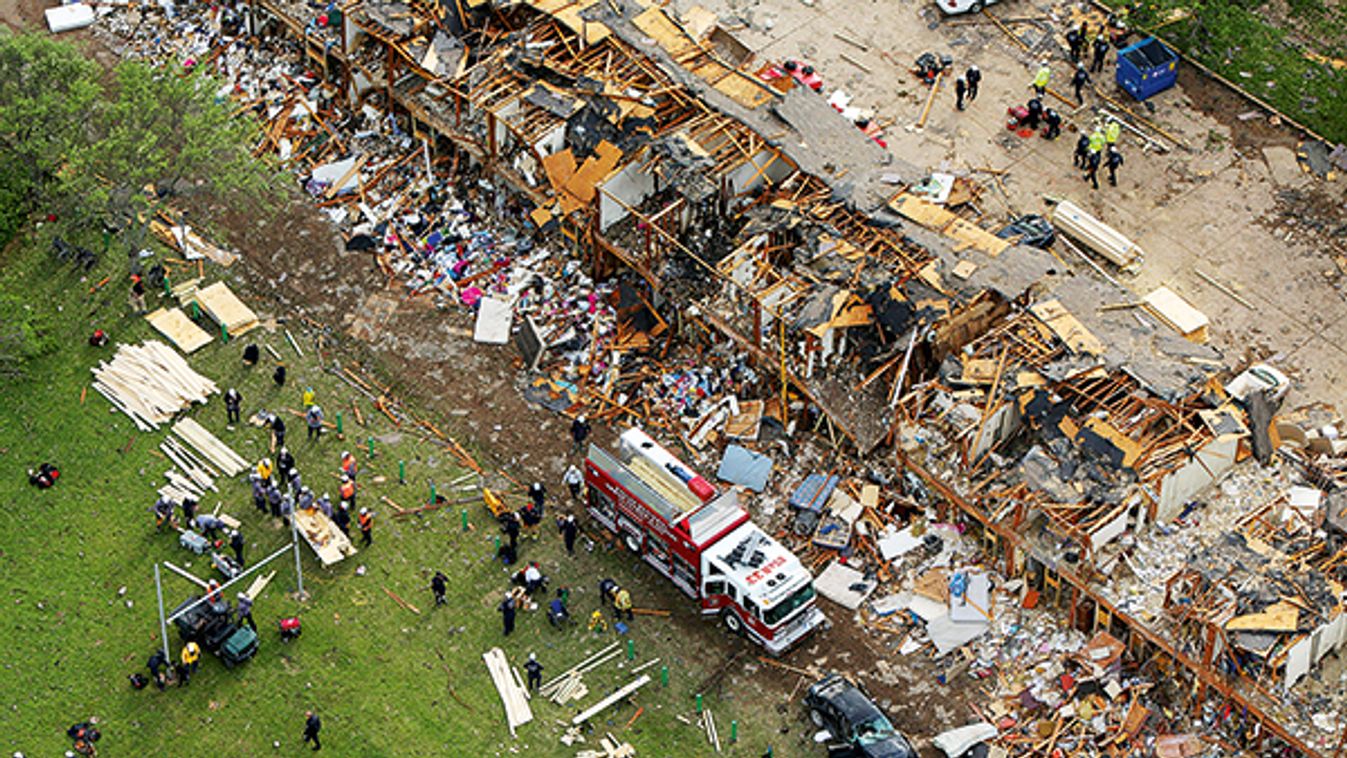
<point x="1146" y="68"/>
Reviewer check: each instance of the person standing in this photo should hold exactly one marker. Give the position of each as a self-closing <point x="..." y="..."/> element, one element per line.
<point x="530" y="518"/>
<point x="274" y="499"/>
<point x="507" y="613"/>
<point x="245" y="612"/>
<point x="307" y="397"/>
<point x="347" y="489"/>
<point x="259" y="493"/>
<point x="1040" y="83"/>
<point x="1079" y="80"/>
<point x="1113" y="161"/>
<point x="573" y="479"/>
<point x="285" y="460"/>
<point x="233" y="405"/>
<point x="312" y="726"/>
<point x="251" y="355"/>
<point x="188" y="509"/>
<point x="579" y="433"/>
<point x="538" y="494"/>
<point x="1112" y="131"/>
<point x="510" y="524"/>
<point x="438" y="585"/>
<point x="191" y="658"/>
<point x="341" y="516"/>
<point x="278" y="376"/>
<point x="535" y="672"/>
<point x="236" y="542"/>
<point x="622" y="603"/>
<point x="1100" y="53"/>
<point x="277" y="432"/>
<point x="1082" y="151"/>
<point x="314" y="417"/>
<point x="137" y="296"/>
<point x="366" y="520"/>
<point x="265" y="469"/>
<point x="974" y="77"/>
<point x="349" y="466"/>
<point x="960" y="89"/>
<point x="569" y="529"/>
<point x="1035" y="108"/>
<point x="1074" y="44"/>
<point x="1097" y="141"/>
<point x="1092" y="170"/>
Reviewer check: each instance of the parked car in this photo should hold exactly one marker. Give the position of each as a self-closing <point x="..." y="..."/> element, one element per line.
<point x="957" y="7"/>
<point x="849" y="715"/>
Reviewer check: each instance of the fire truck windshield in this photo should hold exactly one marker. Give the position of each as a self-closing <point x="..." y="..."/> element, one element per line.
<point x="783" y="609"/>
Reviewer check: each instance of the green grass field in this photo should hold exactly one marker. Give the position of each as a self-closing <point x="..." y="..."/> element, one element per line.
<point x="371" y="668"/>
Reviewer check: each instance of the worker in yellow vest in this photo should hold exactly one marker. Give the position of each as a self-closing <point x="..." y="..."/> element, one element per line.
<point x="622" y="603"/>
<point x="1041" y="80"/>
<point x="1112" y="131"/>
<point x="191" y="658"/>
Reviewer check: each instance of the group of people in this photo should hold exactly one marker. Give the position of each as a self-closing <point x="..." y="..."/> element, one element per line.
<point x="279" y="489"/>
<point x="1099" y="147"/>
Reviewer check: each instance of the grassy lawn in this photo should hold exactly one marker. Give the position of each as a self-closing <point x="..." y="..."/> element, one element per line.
<point x="1273" y="60"/>
<point x="372" y="669"/>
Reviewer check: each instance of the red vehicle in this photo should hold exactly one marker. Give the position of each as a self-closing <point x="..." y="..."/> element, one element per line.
<point x="703" y="541"/>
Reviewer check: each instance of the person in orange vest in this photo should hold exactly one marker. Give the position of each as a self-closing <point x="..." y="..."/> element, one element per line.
<point x="347" y="490"/>
<point x="366" y="520"/>
<point x="348" y="465"/>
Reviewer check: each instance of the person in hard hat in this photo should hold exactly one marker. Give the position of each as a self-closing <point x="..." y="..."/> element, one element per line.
<point x="1097" y="141"/>
<point x="1082" y="154"/>
<point x="622" y="603"/>
<point x="348" y="464"/>
<point x="535" y="672"/>
<point x="233" y="405"/>
<point x="259" y="492"/>
<point x="974" y="77"/>
<point x="507" y="611"/>
<point x="1079" y="80"/>
<point x="1041" y="78"/>
<point x="573" y="480"/>
<point x="597" y="623"/>
<point x="163" y="511"/>
<point x="312" y="726"/>
<point x="1100" y="53"/>
<point x="569" y="530"/>
<point x="366" y="520"/>
<point x="579" y="433"/>
<point x="264" y="468"/>
<point x="1113" y="161"/>
<point x="347" y="489"/>
<point x="439" y="584"/>
<point x="341" y="516"/>
<point x="244" y="612"/>
<point x="277" y="431"/>
<point x="274" y="499"/>
<point x="307" y="397"/>
<point x="1092" y="169"/>
<point x="191" y="658"/>
<point x="285" y="460"/>
<point x="236" y="542"/>
<point x="314" y="418"/>
<point x="1112" y="131"/>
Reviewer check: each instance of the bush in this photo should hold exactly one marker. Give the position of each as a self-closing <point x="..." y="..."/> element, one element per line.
<point x="26" y="334"/>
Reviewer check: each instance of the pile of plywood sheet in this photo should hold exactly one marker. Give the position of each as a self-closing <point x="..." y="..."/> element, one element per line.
<point x="511" y="689"/>
<point x="199" y="477"/>
<point x="150" y="383"/>
<point x="209" y="446"/>
<point x="222" y="305"/>
<point x="1166" y="305"/>
<point x="329" y="543"/>
<point x="1099" y="237"/>
<point x="180" y="330"/>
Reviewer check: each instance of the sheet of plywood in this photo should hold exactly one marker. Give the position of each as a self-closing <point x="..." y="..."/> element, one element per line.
<point x="1067" y="327"/>
<point x="968" y="234"/>
<point x="1178" y="313"/>
<point x="1278" y="617"/>
<point x="328" y="542"/>
<point x="179" y="329"/>
<point x="568" y="13"/>
<point x="560" y="167"/>
<point x="222" y="305"/>
<point x="582" y="185"/>
<point x="697" y="59"/>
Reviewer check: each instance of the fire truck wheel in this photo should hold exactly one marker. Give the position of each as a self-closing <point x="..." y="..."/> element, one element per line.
<point x="816" y="717"/>
<point x="633" y="543"/>
<point x="732" y="621"/>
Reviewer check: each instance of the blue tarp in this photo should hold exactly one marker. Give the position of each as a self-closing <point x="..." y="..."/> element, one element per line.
<point x="814" y="492"/>
<point x="744" y="467"/>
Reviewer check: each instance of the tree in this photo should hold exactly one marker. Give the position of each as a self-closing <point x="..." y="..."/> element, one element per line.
<point x="84" y="142"/>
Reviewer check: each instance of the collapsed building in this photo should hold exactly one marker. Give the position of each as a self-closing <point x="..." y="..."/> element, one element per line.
<point x="1093" y="451"/>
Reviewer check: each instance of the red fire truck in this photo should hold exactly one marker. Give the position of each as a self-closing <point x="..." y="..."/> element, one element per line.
<point x="703" y="541"/>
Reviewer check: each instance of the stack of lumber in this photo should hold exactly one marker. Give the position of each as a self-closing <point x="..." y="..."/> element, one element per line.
<point x="622" y="692"/>
<point x="210" y="447"/>
<point x="150" y="383"/>
<point x="222" y="305"/>
<point x="179" y="329"/>
<point x="259" y="584"/>
<point x="567" y="686"/>
<point x="511" y="690"/>
<point x="329" y="543"/>
<point x="200" y="476"/>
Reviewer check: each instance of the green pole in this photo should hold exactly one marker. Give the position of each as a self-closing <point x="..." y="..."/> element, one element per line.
<point x="734" y="731"/>
<point x="107" y="241"/>
<point x="338" y="422"/>
<point x="224" y="334"/>
<point x="434" y="499"/>
<point x="168" y="288"/>
<point x="196" y="310"/>
<point x="699" y="702"/>
<point x="402" y="472"/>
<point x="465" y="519"/>
<point x="371" y="446"/>
<point x="498" y="544"/>
<point x="631" y="649"/>
<point x="664" y="676"/>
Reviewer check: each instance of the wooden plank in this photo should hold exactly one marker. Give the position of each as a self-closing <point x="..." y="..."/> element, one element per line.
<point x="603" y="704"/>
<point x="179" y="329"/>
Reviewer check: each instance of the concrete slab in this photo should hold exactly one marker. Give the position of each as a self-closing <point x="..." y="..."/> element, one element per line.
<point x="1281" y="161"/>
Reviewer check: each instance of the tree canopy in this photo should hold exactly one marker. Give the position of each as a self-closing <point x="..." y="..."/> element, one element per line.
<point x="85" y="137"/>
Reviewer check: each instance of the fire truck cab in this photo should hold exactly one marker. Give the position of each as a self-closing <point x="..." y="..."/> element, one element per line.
<point x="704" y="541"/>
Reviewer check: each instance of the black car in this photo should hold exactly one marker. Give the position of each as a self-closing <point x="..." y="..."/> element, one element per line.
<point x="851" y="717"/>
<point x="1032" y="230"/>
